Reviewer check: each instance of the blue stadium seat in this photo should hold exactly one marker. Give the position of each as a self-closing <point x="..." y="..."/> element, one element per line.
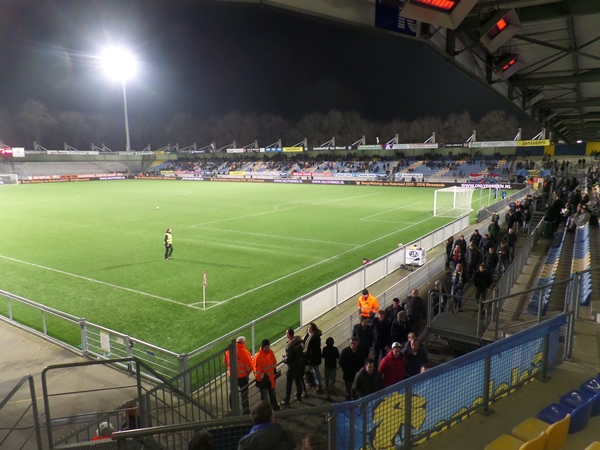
<point x="580" y="416"/>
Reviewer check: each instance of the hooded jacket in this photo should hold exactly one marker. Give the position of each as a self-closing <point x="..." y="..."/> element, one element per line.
<point x="294" y="354"/>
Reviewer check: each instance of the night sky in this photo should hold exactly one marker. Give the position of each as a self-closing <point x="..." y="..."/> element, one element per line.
<point x="208" y="59"/>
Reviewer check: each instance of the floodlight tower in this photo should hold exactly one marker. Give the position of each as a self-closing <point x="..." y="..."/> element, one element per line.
<point x="120" y="65"/>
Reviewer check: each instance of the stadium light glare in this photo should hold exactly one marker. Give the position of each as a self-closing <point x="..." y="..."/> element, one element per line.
<point x="119" y="64"/>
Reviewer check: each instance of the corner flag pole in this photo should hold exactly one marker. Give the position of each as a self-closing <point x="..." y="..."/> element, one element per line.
<point x="204" y="285"/>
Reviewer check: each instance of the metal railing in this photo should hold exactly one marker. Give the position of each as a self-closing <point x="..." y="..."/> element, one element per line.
<point x="149" y="405"/>
<point x="85" y="338"/>
<point x="20" y="419"/>
<point x="509" y="278"/>
<point x="406" y="413"/>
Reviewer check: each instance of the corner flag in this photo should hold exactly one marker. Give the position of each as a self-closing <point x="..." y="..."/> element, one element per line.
<point x="204" y="279"/>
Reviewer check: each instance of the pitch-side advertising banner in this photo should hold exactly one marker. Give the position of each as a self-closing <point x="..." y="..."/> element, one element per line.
<point x="369" y="147"/>
<point x="409" y="146"/>
<point x="488" y="144"/>
<point x="534" y="143"/>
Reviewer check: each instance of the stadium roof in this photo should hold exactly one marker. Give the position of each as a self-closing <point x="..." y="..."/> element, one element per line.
<point x="551" y="61"/>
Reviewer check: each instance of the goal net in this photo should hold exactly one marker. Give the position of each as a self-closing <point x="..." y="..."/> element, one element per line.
<point x="9" y="178"/>
<point x="452" y="201"/>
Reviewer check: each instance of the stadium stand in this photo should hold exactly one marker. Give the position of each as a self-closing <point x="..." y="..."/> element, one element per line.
<point x="520" y="403"/>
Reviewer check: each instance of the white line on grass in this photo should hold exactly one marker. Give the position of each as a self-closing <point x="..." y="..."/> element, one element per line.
<point x="276" y="207"/>
<point x="274" y="210"/>
<point x="99" y="282"/>
<point x="316" y="264"/>
<point x="271" y="236"/>
<point x="207" y="301"/>
<point x="389" y="211"/>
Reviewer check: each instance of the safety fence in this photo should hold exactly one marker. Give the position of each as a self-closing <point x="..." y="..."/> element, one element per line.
<point x="142" y="405"/>
<point x="20" y="419"/>
<point x="509" y="278"/>
<point x="83" y="337"/>
<point x="407" y="413"/>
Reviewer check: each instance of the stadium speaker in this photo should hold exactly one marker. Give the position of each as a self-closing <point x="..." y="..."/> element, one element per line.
<point x="496" y="32"/>
<point x="508" y="65"/>
<point x="443" y="13"/>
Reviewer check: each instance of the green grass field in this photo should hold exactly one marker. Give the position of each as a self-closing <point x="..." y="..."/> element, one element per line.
<point x="95" y="249"/>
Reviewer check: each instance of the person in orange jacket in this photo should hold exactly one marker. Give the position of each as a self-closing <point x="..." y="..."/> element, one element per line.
<point x="244" y="369"/>
<point x="264" y="363"/>
<point x="368" y="305"/>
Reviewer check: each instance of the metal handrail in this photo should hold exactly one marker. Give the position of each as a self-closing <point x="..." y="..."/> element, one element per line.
<point x="36" y="421"/>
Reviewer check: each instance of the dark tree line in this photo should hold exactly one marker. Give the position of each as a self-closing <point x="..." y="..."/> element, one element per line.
<point x="51" y="129"/>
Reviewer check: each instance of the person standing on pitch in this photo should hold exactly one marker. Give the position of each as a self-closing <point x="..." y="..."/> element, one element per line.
<point x="168" y="244"/>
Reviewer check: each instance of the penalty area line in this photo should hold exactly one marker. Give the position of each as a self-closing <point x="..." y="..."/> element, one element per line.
<point x="318" y="263"/>
<point x="115" y="286"/>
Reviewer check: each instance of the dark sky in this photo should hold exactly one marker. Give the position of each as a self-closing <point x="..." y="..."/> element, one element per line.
<point x="210" y="58"/>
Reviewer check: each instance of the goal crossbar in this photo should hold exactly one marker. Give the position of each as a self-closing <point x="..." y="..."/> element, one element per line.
<point x="9" y="178"/>
<point x="452" y="201"/>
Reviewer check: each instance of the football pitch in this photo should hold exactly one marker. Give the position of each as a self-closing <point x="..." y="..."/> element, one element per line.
<point x="95" y="249"/>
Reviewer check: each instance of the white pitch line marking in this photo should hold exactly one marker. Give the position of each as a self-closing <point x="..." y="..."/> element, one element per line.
<point x="99" y="282"/>
<point x="274" y="210"/>
<point x="316" y="264"/>
<point x="271" y="236"/>
<point x="207" y="301"/>
<point x="389" y="211"/>
<point x="320" y="203"/>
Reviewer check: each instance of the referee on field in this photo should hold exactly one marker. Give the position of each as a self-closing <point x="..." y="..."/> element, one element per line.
<point x="168" y="244"/>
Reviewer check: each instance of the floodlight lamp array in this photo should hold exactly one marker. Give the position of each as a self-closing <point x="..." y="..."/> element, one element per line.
<point x="119" y="63"/>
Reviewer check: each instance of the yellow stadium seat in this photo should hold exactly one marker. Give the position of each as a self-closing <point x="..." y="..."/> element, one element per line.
<point x="593" y="446"/>
<point x="557" y="432"/>
<point x="509" y="442"/>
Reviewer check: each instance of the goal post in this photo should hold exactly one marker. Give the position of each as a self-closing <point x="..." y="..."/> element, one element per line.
<point x="452" y="202"/>
<point x="9" y="178"/>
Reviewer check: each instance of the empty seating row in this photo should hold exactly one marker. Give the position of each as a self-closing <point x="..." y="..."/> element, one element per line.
<point x="549" y="430"/>
<point x="581" y="262"/>
<point x="547" y="276"/>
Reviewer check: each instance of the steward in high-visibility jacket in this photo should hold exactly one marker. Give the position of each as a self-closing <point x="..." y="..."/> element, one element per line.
<point x="368" y="305"/>
<point x="244" y="359"/>
<point x="264" y="363"/>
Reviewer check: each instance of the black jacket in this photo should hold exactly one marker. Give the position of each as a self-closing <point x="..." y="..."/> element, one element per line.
<point x="383" y="331"/>
<point x="400" y="330"/>
<point x="365" y="337"/>
<point x="312" y="349"/>
<point x="365" y="384"/>
<point x="267" y="437"/>
<point x="294" y="357"/>
<point x="350" y="362"/>
<point x="482" y="280"/>
<point x="330" y="355"/>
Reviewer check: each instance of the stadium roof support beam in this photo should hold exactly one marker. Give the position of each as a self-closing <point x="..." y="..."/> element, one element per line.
<point x="570" y="118"/>
<point x="591" y="76"/>
<point x="595" y="101"/>
<point x="536" y="10"/>
<point x="574" y="62"/>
